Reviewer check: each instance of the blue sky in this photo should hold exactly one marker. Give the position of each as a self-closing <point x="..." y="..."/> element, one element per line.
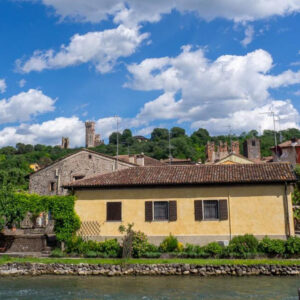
<point x="210" y="64"/>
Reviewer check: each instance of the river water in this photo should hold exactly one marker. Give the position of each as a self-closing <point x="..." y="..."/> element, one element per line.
<point x="71" y="287"/>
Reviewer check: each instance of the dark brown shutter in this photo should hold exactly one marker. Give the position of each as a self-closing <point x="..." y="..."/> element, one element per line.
<point x="172" y="211"/>
<point x="223" y="210"/>
<point x="114" y="211"/>
<point x="198" y="210"/>
<point x="148" y="211"/>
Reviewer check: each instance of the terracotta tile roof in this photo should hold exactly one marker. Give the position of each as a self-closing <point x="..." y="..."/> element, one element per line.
<point x="191" y="175"/>
<point x="289" y="143"/>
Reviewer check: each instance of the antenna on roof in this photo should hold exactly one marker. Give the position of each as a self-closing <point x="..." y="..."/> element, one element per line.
<point x="117" y="119"/>
<point x="230" y="139"/>
<point x="273" y="115"/>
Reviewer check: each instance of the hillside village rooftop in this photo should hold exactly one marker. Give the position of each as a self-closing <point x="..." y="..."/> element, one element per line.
<point x="191" y="175"/>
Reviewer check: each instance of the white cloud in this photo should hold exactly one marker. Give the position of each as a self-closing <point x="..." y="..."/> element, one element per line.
<point x="3" y="85"/>
<point x="135" y="11"/>
<point x="200" y="91"/>
<point x="22" y="83"/>
<point x="249" y="33"/>
<point x="23" y="106"/>
<point x="102" y="49"/>
<point x="49" y="132"/>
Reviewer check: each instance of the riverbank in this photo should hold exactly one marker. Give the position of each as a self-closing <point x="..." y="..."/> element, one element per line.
<point x="106" y="267"/>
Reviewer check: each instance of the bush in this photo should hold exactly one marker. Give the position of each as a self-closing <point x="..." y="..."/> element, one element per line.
<point x="152" y="255"/>
<point x="169" y="244"/>
<point x="91" y="254"/>
<point x="272" y="247"/>
<point x="213" y="249"/>
<point x="292" y="245"/>
<point x="111" y="247"/>
<point x="57" y="253"/>
<point x="243" y="244"/>
<point x="140" y="244"/>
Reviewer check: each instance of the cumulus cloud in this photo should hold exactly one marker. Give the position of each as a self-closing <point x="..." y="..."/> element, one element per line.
<point x="203" y="92"/>
<point x="135" y="11"/>
<point x="249" y="34"/>
<point x="23" y="106"/>
<point x="102" y="49"/>
<point x="2" y="85"/>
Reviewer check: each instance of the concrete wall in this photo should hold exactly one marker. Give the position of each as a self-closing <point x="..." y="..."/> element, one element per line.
<point x="83" y="163"/>
<point x="255" y="209"/>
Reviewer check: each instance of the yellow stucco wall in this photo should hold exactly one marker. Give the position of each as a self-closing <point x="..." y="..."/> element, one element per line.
<point x="258" y="210"/>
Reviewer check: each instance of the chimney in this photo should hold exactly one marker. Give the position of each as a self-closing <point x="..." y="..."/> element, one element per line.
<point x="131" y="158"/>
<point x="140" y="159"/>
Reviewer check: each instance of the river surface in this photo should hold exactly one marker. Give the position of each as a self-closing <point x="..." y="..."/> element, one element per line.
<point x="71" y="287"/>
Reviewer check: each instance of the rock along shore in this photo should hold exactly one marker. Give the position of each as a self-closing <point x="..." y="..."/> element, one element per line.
<point x="15" y="269"/>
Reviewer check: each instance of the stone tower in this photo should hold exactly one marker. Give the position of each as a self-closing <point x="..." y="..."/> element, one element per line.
<point x="252" y="148"/>
<point x="65" y="143"/>
<point x="89" y="134"/>
<point x="235" y="147"/>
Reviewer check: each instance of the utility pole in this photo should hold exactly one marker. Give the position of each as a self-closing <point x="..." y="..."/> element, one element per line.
<point x="170" y="154"/>
<point x="117" y="119"/>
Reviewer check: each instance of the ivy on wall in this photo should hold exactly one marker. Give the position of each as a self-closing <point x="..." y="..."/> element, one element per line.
<point x="14" y="207"/>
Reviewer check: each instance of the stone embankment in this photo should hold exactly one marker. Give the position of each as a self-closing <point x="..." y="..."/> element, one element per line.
<point x="11" y="269"/>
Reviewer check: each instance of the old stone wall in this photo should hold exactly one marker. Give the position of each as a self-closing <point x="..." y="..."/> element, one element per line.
<point x="49" y="181"/>
<point x="147" y="269"/>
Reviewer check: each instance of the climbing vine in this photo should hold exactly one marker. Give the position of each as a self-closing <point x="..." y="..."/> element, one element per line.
<point x="14" y="207"/>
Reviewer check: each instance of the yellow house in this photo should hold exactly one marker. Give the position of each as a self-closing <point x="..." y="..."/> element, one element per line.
<point x="197" y="204"/>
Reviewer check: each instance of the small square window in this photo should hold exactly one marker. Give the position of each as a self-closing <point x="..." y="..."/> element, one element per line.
<point x="161" y="210"/>
<point x="253" y="143"/>
<point x="211" y="209"/>
<point x="90" y="156"/>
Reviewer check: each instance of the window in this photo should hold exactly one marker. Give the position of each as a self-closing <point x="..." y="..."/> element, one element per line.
<point x="113" y="211"/>
<point x="161" y="210"/>
<point x="253" y="143"/>
<point x="211" y="209"/>
<point x="90" y="156"/>
<point x="78" y="177"/>
<point x="52" y="186"/>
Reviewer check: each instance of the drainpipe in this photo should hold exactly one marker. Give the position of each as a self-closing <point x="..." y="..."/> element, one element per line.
<point x="229" y="216"/>
<point x="287" y="214"/>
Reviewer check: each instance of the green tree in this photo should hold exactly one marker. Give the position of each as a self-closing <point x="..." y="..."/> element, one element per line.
<point x="177" y="132"/>
<point x="159" y="134"/>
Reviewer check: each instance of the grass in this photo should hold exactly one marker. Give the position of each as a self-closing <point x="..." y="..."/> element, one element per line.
<point x="286" y="262"/>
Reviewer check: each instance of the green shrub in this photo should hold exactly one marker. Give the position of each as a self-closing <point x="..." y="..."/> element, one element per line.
<point x="111" y="247"/>
<point x="169" y="244"/>
<point x="152" y="254"/>
<point x="213" y="249"/>
<point x="243" y="244"/>
<point x="139" y="244"/>
<point x="57" y="253"/>
<point x="91" y="254"/>
<point x="189" y="248"/>
<point x="293" y="245"/>
<point x="272" y="246"/>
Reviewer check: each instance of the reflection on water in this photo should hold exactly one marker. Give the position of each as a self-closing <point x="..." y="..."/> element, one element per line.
<point x="67" y="287"/>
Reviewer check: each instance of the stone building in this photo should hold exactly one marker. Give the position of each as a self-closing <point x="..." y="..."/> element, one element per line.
<point x="78" y="165"/>
<point x="65" y="143"/>
<point x="252" y="149"/>
<point x="91" y="138"/>
<point x="215" y="152"/>
<point x="288" y="151"/>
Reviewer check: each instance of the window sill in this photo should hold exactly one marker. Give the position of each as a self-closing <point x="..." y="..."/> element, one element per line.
<point x="114" y="221"/>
